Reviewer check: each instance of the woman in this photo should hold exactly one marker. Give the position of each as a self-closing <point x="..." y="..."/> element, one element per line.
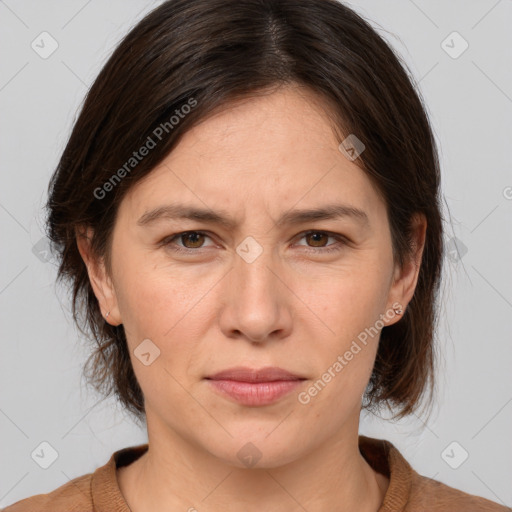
<point x="248" y="212"/>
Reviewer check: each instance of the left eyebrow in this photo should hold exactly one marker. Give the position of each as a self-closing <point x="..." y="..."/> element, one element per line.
<point x="291" y="217"/>
<point x="328" y="212"/>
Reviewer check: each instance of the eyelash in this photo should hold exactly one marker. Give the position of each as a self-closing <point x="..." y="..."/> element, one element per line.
<point x="168" y="242"/>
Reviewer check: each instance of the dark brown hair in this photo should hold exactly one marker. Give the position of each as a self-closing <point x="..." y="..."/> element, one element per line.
<point x="208" y="53"/>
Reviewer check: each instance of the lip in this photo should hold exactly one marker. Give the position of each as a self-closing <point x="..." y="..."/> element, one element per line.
<point x="255" y="387"/>
<point x="246" y="374"/>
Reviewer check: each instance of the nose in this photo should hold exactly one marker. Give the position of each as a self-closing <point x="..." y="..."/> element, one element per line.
<point x="257" y="304"/>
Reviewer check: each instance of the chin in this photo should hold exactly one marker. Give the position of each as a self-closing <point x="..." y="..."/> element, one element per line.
<point x="253" y="447"/>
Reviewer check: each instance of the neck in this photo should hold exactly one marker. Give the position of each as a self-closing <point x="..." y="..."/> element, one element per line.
<point x="177" y="475"/>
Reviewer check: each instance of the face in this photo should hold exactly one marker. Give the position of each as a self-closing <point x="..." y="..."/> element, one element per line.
<point x="267" y="288"/>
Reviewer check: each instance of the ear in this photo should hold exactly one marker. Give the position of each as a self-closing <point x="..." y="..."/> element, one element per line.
<point x="101" y="282"/>
<point x="405" y="278"/>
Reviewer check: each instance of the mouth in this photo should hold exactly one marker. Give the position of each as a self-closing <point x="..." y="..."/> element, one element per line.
<point x="245" y="374"/>
<point x="255" y="387"/>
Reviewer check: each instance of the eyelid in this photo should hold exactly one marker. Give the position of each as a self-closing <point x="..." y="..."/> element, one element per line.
<point x="341" y="240"/>
<point x="168" y="240"/>
<point x="330" y="234"/>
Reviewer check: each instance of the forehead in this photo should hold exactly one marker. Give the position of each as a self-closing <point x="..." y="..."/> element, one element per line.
<point x="270" y="151"/>
<point x="276" y="120"/>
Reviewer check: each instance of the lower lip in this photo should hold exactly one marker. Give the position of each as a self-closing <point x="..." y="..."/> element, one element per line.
<point x="255" y="393"/>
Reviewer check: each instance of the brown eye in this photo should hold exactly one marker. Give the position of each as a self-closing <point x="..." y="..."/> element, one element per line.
<point x="187" y="242"/>
<point x="317" y="242"/>
<point x="317" y="239"/>
<point x="194" y="238"/>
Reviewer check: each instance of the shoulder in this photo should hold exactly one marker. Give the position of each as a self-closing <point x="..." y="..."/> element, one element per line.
<point x="87" y="493"/>
<point x="408" y="491"/>
<point x="428" y="494"/>
<point x="74" y="496"/>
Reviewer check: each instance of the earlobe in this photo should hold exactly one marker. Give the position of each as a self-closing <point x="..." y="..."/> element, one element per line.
<point x="101" y="282"/>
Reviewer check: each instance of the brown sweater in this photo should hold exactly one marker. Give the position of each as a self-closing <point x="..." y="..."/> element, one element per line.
<point x="407" y="492"/>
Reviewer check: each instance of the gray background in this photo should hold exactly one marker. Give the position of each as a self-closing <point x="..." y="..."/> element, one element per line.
<point x="469" y="97"/>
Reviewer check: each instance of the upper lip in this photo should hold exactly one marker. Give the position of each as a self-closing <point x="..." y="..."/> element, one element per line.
<point x="246" y="374"/>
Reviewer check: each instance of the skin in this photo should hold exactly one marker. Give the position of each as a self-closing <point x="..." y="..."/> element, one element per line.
<point x="294" y="307"/>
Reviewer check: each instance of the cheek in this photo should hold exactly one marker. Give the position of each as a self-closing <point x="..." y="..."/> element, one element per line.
<point x="347" y="307"/>
<point x="346" y="301"/>
<point x="160" y="308"/>
<point x="155" y="300"/>
<point x="344" y="366"/>
<point x="171" y="308"/>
